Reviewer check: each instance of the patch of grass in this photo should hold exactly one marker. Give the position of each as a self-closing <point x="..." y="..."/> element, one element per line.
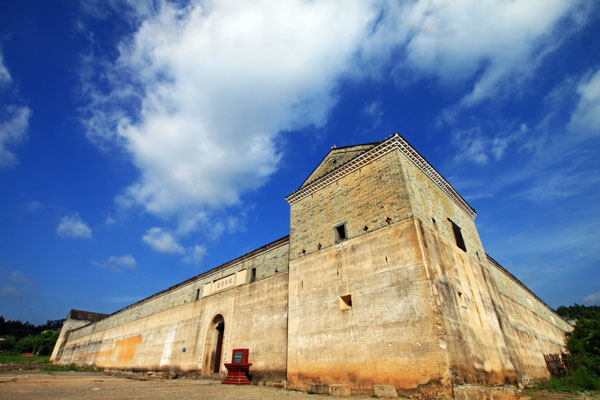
<point x="18" y="359"/>
<point x="69" y="367"/>
<point x="580" y="380"/>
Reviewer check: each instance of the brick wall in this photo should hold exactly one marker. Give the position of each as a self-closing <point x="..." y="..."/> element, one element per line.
<point x="429" y="203"/>
<point x="365" y="197"/>
<point x="266" y="262"/>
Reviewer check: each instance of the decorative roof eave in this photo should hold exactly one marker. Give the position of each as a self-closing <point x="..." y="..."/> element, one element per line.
<point x="394" y="142"/>
<point x="335" y="150"/>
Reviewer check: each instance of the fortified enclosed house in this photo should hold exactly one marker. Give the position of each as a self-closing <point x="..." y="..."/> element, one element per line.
<point x="383" y="280"/>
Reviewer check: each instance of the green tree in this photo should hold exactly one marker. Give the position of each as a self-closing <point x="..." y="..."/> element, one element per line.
<point x="47" y="340"/>
<point x="25" y="344"/>
<point x="584" y="350"/>
<point x="8" y="344"/>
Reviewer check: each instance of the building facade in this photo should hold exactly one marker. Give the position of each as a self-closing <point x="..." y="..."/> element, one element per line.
<point x="383" y="280"/>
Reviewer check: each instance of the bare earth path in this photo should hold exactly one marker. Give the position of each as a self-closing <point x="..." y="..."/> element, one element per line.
<point x="34" y="385"/>
<point x="95" y="386"/>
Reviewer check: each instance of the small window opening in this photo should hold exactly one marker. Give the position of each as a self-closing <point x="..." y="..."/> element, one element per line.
<point x="460" y="242"/>
<point x="252" y="274"/>
<point x="461" y="300"/>
<point x="340" y="233"/>
<point x="197" y="294"/>
<point x="346" y="302"/>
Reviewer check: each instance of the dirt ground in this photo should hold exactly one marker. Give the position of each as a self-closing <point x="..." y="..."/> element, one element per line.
<point x="34" y="385"/>
<point x="95" y="386"/>
<point x="543" y="395"/>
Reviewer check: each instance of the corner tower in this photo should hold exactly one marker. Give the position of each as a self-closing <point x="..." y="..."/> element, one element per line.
<point x="389" y="283"/>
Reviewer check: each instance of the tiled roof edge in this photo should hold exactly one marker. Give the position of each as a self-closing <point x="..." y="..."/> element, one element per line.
<point x="394" y="142"/>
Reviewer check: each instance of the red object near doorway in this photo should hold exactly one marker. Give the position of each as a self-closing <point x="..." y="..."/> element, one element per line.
<point x="238" y="368"/>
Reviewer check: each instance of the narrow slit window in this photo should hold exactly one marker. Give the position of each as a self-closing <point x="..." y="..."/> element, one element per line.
<point x="340" y="232"/>
<point x="346" y="302"/>
<point x="252" y="274"/>
<point x="461" y="300"/>
<point x="458" y="237"/>
<point x="197" y="294"/>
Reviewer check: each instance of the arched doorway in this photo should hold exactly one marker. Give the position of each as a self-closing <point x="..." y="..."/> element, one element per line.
<point x="214" y="346"/>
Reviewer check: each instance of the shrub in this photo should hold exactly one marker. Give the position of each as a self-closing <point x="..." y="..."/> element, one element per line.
<point x="584" y="352"/>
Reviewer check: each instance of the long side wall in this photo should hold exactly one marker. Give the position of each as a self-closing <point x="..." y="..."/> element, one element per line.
<point x="533" y="328"/>
<point x="389" y="334"/>
<point x="68" y="325"/>
<point x="255" y="317"/>
<point x="492" y="338"/>
<point x="267" y="262"/>
<point x="496" y="330"/>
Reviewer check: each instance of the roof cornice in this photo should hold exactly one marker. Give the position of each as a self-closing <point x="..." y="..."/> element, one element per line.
<point x="394" y="142"/>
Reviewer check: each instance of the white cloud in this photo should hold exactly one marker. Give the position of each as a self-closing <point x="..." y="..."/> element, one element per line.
<point x="492" y="40"/>
<point x="481" y="147"/>
<point x="33" y="205"/>
<point x="201" y="93"/>
<point x="19" y="277"/>
<point x="72" y="226"/>
<point x="195" y="255"/>
<point x="561" y="163"/>
<point x="10" y="291"/>
<point x="118" y="263"/>
<point x="14" y="122"/>
<point x="593" y="298"/>
<point x="373" y="110"/>
<point x="4" y="74"/>
<point x="585" y="120"/>
<point x="189" y="223"/>
<point x="557" y="156"/>
<point x="16" y="284"/>
<point x="162" y="241"/>
<point x="206" y="127"/>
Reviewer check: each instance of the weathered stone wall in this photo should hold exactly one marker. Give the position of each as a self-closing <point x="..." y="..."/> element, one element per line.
<point x="390" y="334"/>
<point x="429" y="203"/>
<point x="477" y="323"/>
<point x="491" y="337"/>
<point x="533" y="329"/>
<point x="255" y="316"/>
<point x="63" y="336"/>
<point x="266" y="262"/>
<point x="365" y="197"/>
<point x="495" y="329"/>
<point x="151" y="334"/>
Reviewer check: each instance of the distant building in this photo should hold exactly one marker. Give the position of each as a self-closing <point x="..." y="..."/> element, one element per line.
<point x="383" y="280"/>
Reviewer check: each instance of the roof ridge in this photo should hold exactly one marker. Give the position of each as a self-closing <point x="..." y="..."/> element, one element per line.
<point x="332" y="150"/>
<point x="393" y="142"/>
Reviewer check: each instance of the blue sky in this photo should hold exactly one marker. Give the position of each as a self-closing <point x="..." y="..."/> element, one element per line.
<point x="144" y="143"/>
